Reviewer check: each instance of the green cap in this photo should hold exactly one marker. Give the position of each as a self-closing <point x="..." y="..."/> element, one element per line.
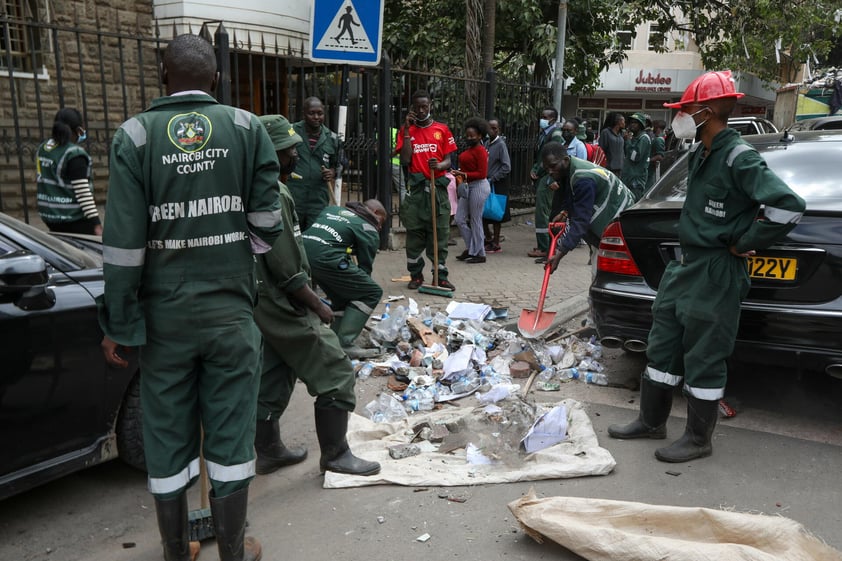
<point x="280" y="131"/>
<point x="639" y="117"/>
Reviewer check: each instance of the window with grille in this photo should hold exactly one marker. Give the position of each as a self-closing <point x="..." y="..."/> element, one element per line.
<point x="20" y="42"/>
<point x="657" y="38"/>
<point x="624" y="39"/>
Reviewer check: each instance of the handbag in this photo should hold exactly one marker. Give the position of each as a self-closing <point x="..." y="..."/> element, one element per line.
<point x="495" y="206"/>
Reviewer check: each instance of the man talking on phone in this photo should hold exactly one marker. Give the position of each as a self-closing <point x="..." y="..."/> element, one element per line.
<point x="423" y="144"/>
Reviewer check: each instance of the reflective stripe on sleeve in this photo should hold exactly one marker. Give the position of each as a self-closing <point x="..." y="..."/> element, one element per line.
<point x="242" y="118"/>
<point x="782" y="216"/>
<point x="123" y="257"/>
<point x="707" y="394"/>
<point x="226" y="474"/>
<point x="542" y="230"/>
<point x="663" y="377"/>
<point x="264" y="219"/>
<point x="173" y="483"/>
<point x="135" y="130"/>
<point x="369" y="228"/>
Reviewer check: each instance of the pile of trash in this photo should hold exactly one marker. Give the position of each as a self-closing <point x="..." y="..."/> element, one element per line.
<point x="433" y="357"/>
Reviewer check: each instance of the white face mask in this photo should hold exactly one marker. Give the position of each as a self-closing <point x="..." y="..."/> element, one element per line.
<point x="683" y="125"/>
<point x="543" y="123"/>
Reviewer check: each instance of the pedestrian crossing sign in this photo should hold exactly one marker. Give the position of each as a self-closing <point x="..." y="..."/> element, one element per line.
<point x="346" y="31"/>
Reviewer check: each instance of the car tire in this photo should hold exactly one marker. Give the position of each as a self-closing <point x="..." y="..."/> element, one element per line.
<point x="130" y="428"/>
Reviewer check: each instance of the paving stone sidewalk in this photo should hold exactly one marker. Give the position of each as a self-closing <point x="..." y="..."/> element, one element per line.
<point x="508" y="279"/>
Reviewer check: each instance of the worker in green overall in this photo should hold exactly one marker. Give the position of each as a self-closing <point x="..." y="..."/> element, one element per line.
<point x="697" y="310"/>
<point x="298" y="344"/>
<point x="192" y="197"/>
<point x="550" y="132"/>
<point x="332" y="242"/>
<point x="638" y="148"/>
<point x="319" y="163"/>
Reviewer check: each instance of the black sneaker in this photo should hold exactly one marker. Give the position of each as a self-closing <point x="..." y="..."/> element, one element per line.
<point x="541" y="260"/>
<point x="475" y="259"/>
<point x="415" y="283"/>
<point x="444" y="283"/>
<point x="463" y="256"/>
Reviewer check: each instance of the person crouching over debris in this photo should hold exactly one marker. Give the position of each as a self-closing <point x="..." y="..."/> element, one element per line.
<point x="298" y="343"/>
<point x="590" y="195"/>
<point x="337" y="234"/>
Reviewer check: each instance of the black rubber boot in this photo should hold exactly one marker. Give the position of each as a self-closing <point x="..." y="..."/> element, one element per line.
<point x="229" y="523"/>
<point x="172" y="524"/>
<point x="655" y="406"/>
<point x="271" y="452"/>
<point x="695" y="442"/>
<point x="331" y="428"/>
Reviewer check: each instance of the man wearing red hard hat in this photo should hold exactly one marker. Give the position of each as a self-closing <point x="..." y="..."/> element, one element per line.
<point x="697" y="310"/>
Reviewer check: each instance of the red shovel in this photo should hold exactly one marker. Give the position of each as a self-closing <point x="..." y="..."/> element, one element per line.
<point x="534" y="323"/>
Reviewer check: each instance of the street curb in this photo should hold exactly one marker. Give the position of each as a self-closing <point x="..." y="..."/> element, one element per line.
<point x="565" y="311"/>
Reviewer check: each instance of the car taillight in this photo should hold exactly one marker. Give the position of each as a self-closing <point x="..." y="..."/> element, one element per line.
<point x="614" y="256"/>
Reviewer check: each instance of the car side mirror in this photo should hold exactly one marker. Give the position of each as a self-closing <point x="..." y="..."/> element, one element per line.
<point x="23" y="281"/>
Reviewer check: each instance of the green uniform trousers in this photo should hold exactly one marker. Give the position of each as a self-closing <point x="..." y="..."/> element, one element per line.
<point x="416" y="215"/>
<point x="695" y="319"/>
<point x="199" y="367"/>
<point x="543" y="205"/>
<point x="298" y="345"/>
<point x="346" y="285"/>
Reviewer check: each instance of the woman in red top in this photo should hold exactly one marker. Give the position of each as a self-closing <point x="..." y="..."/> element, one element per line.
<point x="473" y="169"/>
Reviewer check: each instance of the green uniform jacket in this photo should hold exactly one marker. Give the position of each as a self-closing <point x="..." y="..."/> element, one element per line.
<point x="636" y="164"/>
<point x="192" y="191"/>
<point x="309" y="190"/>
<point x="284" y="269"/>
<point x="552" y="134"/>
<point x="593" y="197"/>
<point x="658" y="149"/>
<point x="57" y="201"/>
<point x="337" y="233"/>
<point x="726" y="190"/>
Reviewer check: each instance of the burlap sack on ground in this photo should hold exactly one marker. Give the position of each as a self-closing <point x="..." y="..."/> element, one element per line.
<point x="578" y="456"/>
<point x="599" y="529"/>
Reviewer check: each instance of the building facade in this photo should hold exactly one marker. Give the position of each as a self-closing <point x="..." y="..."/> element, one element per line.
<point x="648" y="78"/>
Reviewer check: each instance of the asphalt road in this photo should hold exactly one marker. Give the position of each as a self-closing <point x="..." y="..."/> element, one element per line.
<point x="778" y="456"/>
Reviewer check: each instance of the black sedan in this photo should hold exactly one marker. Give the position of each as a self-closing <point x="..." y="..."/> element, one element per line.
<point x="61" y="407"/>
<point x="793" y="313"/>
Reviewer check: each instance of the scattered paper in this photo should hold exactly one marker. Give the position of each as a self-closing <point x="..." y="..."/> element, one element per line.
<point x="467" y="310"/>
<point x="547" y="430"/>
<point x="475" y="457"/>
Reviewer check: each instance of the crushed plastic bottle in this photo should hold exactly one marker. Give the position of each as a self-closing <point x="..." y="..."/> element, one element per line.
<point x="569" y="374"/>
<point x="427" y="316"/>
<point x="386" y="408"/>
<point x="365" y="370"/>
<point x="597" y="378"/>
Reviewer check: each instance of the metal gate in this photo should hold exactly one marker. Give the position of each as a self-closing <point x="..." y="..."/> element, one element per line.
<point x="110" y="74"/>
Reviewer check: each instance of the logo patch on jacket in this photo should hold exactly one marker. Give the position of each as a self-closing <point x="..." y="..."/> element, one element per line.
<point x="189" y="132"/>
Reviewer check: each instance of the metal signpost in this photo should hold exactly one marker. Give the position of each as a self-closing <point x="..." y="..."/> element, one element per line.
<point x="346" y="32"/>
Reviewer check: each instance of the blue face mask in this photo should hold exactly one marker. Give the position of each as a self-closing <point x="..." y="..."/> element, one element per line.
<point x="82" y="137"/>
<point x="543" y="123"/>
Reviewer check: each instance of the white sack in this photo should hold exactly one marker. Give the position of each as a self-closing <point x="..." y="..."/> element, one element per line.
<point x="598" y="529"/>
<point x="578" y="456"/>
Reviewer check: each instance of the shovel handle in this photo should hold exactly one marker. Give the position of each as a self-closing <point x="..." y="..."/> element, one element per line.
<point x="554" y="236"/>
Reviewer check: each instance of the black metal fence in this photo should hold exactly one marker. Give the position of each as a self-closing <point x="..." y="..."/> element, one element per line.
<point x="110" y="74"/>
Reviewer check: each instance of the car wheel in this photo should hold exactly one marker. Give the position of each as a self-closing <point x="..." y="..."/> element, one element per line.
<point x="130" y="428"/>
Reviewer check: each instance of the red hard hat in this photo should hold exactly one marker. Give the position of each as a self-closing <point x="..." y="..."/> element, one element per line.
<point x="708" y="86"/>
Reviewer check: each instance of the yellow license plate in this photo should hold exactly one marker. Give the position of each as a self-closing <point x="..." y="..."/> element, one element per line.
<point x="776" y="268"/>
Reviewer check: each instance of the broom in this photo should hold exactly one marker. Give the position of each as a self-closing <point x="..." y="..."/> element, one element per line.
<point x="434" y="288"/>
<point x="200" y="522"/>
